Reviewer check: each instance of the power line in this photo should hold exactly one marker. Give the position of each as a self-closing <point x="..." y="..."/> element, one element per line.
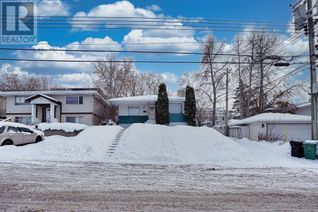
<point x="183" y="19"/>
<point x="136" y="61"/>
<point x="135" y="51"/>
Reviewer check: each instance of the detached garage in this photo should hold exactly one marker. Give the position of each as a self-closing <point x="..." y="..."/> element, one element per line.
<point x="272" y="127"/>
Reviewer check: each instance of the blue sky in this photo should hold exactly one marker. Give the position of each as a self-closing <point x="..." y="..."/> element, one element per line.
<point x="80" y="75"/>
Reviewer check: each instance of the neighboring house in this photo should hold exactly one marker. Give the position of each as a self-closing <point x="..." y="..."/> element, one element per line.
<point x="304" y="109"/>
<point x="220" y="115"/>
<point x="272" y="126"/>
<point x="77" y="105"/>
<point x="141" y="109"/>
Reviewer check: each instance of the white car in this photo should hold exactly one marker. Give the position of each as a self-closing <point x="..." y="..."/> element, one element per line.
<point x="18" y="134"/>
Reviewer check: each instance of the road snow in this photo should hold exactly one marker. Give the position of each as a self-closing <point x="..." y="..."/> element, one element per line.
<point x="128" y="187"/>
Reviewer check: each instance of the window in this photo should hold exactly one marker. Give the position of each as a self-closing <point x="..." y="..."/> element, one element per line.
<point x="25" y="130"/>
<point x="134" y="111"/>
<point x="75" y="119"/>
<point x="20" y="100"/>
<point x="175" y="108"/>
<point x="74" y="100"/>
<point x="13" y="129"/>
<point x="24" y="120"/>
<point x="2" y="129"/>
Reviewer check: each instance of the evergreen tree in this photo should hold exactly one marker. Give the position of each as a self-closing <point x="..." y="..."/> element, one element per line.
<point x="190" y="106"/>
<point x="162" y="106"/>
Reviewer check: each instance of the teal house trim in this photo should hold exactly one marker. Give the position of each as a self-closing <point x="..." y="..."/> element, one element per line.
<point x="177" y="117"/>
<point x="132" y="119"/>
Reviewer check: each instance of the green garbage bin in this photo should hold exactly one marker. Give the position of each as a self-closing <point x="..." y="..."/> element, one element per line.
<point x="310" y="149"/>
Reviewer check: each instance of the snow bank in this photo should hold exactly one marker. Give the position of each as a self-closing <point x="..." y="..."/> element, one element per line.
<point x="89" y="145"/>
<point x="66" y="127"/>
<point x="146" y="98"/>
<point x="272" y="118"/>
<point x="146" y="143"/>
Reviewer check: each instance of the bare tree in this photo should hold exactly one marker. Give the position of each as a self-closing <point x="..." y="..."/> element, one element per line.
<point x="120" y="79"/>
<point x="111" y="75"/>
<point x="212" y="73"/>
<point x="11" y="82"/>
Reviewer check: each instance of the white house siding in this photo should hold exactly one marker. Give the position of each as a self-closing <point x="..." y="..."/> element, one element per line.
<point x="86" y="107"/>
<point x="12" y="108"/>
<point x="88" y="118"/>
<point x="305" y="110"/>
<point x="301" y="131"/>
<point x="123" y="109"/>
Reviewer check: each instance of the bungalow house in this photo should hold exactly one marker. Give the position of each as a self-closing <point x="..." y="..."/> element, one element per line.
<point x="77" y="105"/>
<point x="272" y="126"/>
<point x="141" y="109"/>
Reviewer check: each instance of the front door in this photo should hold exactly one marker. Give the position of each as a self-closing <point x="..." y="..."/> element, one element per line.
<point x="45" y="114"/>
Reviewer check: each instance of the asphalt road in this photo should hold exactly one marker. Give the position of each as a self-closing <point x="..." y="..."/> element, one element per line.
<point x="58" y="186"/>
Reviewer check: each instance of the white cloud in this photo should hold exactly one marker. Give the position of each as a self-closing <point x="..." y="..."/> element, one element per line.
<point x="117" y="9"/>
<point x="159" y="32"/>
<point x="12" y="69"/>
<point x="152" y="41"/>
<point x="52" y="8"/>
<point x="154" y="7"/>
<point x="169" y="77"/>
<point x="61" y="54"/>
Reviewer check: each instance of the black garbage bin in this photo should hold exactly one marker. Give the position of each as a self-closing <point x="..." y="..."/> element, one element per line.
<point x="297" y="149"/>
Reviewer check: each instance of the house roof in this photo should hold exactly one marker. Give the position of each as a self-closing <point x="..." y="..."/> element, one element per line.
<point x="58" y="91"/>
<point x="29" y="99"/>
<point x="306" y="104"/>
<point x="272" y="118"/>
<point x="144" y="99"/>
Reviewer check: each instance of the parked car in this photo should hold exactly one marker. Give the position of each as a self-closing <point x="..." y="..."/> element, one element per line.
<point x="18" y="134"/>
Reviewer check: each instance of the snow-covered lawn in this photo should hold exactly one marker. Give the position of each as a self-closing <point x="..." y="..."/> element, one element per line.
<point x="193" y="145"/>
<point x="90" y="145"/>
<point x="154" y="144"/>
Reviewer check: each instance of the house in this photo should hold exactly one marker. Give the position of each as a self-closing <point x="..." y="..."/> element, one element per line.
<point x="272" y="126"/>
<point x="77" y="105"/>
<point x="304" y="109"/>
<point x="141" y="109"/>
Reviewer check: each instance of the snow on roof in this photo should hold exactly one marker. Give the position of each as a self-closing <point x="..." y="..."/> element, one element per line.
<point x="272" y="118"/>
<point x="61" y="92"/>
<point x="147" y="98"/>
<point x="306" y="104"/>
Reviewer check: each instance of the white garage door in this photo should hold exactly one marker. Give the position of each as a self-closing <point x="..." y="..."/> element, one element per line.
<point x="291" y="131"/>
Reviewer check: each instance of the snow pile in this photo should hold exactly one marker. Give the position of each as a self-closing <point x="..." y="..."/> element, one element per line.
<point x="273" y="154"/>
<point x="66" y="127"/>
<point x="90" y="145"/>
<point x="146" y="143"/>
<point x="146" y="98"/>
<point x="273" y="118"/>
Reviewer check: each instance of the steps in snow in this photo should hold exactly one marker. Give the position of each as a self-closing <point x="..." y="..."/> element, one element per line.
<point x="113" y="146"/>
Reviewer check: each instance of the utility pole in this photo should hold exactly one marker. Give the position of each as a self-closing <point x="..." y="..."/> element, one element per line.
<point x="227" y="102"/>
<point x="313" y="74"/>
